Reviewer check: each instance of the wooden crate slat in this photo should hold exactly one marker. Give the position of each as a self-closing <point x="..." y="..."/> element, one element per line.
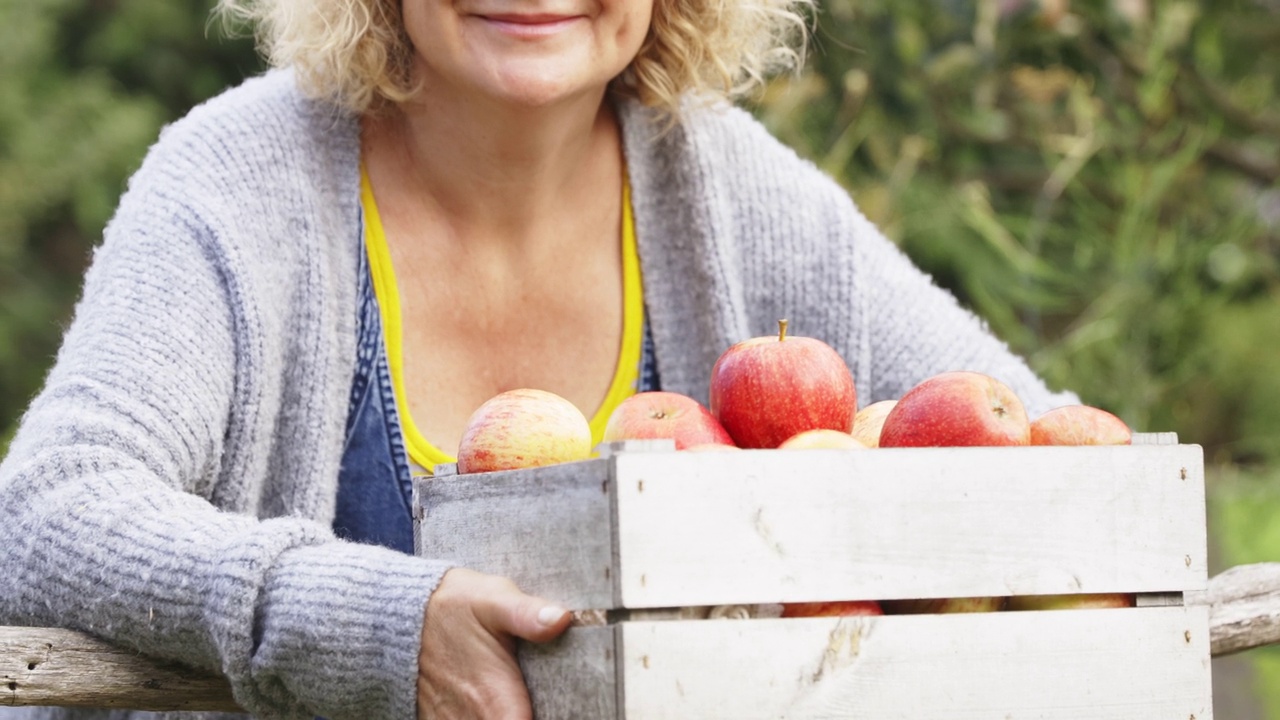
<point x="1157" y="438"/>
<point x="548" y="529"/>
<point x="1130" y="664"/>
<point x="573" y="677"/>
<point x="710" y="529"/>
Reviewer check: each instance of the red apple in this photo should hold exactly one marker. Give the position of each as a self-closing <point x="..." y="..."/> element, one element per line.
<point x="869" y="420"/>
<point x="943" y="605"/>
<point x="711" y="447"/>
<point x="838" y="608"/>
<point x="1071" y="602"/>
<point x="1079" y="425"/>
<point x="767" y="389"/>
<point x="956" y="409"/>
<point x="822" y="440"/>
<point x="660" y="415"/>
<point x="523" y="429"/>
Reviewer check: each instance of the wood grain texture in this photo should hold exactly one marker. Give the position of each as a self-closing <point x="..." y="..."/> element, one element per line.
<point x="75" y="669"/>
<point x="1023" y="521"/>
<point x="1130" y="664"/>
<point x="1161" y="438"/>
<point x="574" y="676"/>
<point x="1244" y="607"/>
<point x="548" y="529"/>
<point x="44" y="666"/>
<point x="667" y="529"/>
<point x="793" y="526"/>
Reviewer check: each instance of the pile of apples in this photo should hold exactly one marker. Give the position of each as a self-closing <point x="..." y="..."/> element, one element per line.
<point x="787" y="392"/>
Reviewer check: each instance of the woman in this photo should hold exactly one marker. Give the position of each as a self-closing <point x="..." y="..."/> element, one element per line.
<point x="316" y="277"/>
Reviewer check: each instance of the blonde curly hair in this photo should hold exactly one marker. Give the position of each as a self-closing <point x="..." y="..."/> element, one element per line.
<point x="356" y="52"/>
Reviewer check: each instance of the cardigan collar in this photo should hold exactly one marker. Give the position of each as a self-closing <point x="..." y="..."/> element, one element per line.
<point x="688" y="254"/>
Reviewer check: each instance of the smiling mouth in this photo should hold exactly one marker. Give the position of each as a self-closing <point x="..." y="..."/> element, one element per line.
<point x="529" y="25"/>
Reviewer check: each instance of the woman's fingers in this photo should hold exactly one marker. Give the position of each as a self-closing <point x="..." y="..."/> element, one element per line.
<point x="511" y="612"/>
<point x="467" y="666"/>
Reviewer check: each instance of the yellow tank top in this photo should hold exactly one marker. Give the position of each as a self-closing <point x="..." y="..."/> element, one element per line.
<point x="423" y="455"/>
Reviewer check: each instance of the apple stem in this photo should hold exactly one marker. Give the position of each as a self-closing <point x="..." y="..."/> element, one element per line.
<point x="782" y="330"/>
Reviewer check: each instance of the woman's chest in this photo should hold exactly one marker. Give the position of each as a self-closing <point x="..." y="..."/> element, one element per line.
<point x="468" y="335"/>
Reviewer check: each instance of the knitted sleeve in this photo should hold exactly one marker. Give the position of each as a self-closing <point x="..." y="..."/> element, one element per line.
<point x="105" y="525"/>
<point x="913" y="329"/>
<point x="807" y="252"/>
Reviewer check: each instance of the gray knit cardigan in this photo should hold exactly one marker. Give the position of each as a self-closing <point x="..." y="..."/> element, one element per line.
<point x="171" y="489"/>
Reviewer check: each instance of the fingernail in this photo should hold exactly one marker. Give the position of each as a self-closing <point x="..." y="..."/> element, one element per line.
<point x="551" y="614"/>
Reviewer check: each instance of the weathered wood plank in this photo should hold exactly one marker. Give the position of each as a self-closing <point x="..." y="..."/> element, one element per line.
<point x="1243" y="602"/>
<point x="755" y="527"/>
<point x="574" y="676"/>
<point x="45" y="666"/>
<point x="548" y="529"/>
<point x="1160" y="438"/>
<point x="750" y="527"/>
<point x="1130" y="664"/>
<point x="1244" y="607"/>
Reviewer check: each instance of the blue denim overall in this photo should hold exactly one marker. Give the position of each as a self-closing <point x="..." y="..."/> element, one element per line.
<point x="374" y="482"/>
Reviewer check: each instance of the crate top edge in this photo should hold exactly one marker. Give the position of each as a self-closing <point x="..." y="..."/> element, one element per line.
<point x="605" y="464"/>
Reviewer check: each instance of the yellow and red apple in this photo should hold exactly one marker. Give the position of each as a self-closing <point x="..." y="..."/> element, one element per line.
<point x="943" y="605"/>
<point x="868" y="422"/>
<point x="1071" y="602"/>
<point x="835" y="608"/>
<point x="1079" y="425"/>
<point x="523" y="428"/>
<point x="710" y="447"/>
<point x="822" y="439"/>
<point x="665" y="415"/>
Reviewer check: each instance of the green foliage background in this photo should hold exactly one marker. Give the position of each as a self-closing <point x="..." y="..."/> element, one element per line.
<point x="1102" y="189"/>
<point x="1100" y="179"/>
<point x="85" y="86"/>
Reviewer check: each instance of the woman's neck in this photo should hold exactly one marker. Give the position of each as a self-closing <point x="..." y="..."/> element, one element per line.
<point x="491" y="170"/>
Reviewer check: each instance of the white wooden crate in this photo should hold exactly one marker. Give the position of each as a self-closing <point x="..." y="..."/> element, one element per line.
<point x="660" y="529"/>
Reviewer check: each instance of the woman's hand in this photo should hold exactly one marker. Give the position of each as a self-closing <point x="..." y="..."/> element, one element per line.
<point x="467" y="666"/>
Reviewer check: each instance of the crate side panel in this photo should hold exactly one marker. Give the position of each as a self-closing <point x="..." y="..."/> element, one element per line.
<point x="710" y="529"/>
<point x="574" y="676"/>
<point x="548" y="529"/>
<point x="1130" y="664"/>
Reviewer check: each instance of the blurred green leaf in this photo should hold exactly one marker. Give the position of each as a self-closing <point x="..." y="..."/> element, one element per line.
<point x="1088" y="181"/>
<point x="84" y="89"/>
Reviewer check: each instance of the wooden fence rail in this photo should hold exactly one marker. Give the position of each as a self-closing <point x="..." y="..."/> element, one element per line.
<point x="49" y="666"/>
<point x="45" y="666"/>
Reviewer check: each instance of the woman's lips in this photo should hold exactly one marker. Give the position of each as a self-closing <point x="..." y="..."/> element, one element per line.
<point x="530" y="25"/>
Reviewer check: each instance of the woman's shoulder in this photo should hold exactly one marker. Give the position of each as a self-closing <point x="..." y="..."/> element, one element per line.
<point x="730" y="154"/>
<point x="258" y="134"/>
<point x="735" y="134"/>
<point x="266" y="109"/>
<point x="259" y="171"/>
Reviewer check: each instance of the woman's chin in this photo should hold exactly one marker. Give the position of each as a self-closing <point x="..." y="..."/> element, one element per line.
<point x="538" y="93"/>
<point x="528" y="78"/>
